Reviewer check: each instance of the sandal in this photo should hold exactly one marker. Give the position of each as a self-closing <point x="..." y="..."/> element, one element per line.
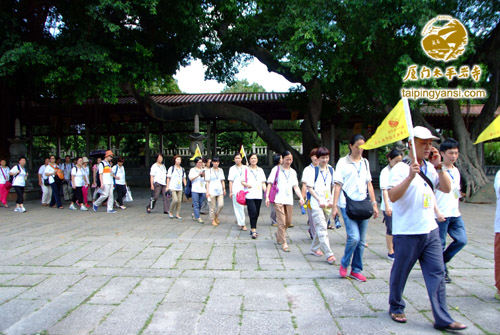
<point x="244" y="228"/>
<point x="286" y="248"/>
<point x="254" y="235"/>
<point x="398" y="317"/>
<point x="331" y="259"/>
<point x="148" y="210"/>
<point x="330" y="227"/>
<point x="276" y="234"/>
<point x="317" y="253"/>
<point x="453" y="326"/>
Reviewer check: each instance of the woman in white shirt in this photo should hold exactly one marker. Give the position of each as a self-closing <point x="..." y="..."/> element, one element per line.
<point x="394" y="157"/>
<point x="78" y="181"/>
<point x="287" y="181"/>
<point x="352" y="176"/>
<point x="158" y="183"/>
<point x="255" y="183"/>
<point x="19" y="182"/>
<point x="120" y="182"/>
<point x="4" y="177"/>
<point x="54" y="182"/>
<point x="198" y="190"/>
<point x="236" y="175"/>
<point x="216" y="190"/>
<point x="176" y="177"/>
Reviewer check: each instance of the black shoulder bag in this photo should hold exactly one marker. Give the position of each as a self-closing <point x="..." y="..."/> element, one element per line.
<point x="358" y="210"/>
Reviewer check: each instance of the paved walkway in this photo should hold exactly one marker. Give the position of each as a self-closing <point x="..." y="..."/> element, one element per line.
<point x="64" y="272"/>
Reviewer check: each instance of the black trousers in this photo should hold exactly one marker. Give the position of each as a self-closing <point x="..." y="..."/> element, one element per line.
<point x="77" y="195"/>
<point x="56" y="197"/>
<point x="121" y="191"/>
<point x="253" y="206"/>
<point x="20" y="194"/>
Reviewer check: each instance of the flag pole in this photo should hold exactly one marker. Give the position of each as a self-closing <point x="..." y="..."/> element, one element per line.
<point x="409" y="124"/>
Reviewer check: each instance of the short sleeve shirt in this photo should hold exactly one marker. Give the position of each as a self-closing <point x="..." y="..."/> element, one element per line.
<point x="322" y="186"/>
<point x="197" y="184"/>
<point x="49" y="169"/>
<point x="176" y="176"/>
<point x="255" y="178"/>
<point x="354" y="178"/>
<point x="448" y="202"/>
<point x="214" y="179"/>
<point x="78" y="173"/>
<point x="6" y="172"/>
<point x="413" y="213"/>
<point x="287" y="179"/>
<point x="119" y="172"/>
<point x="19" y="178"/>
<point x="41" y="171"/>
<point x="159" y="173"/>
<point x="236" y="175"/>
<point x="105" y="171"/>
<point x="384" y="184"/>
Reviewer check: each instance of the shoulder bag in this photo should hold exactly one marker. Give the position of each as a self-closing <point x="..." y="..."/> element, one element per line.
<point x="274" y="188"/>
<point x="358" y="209"/>
<point x="241" y="195"/>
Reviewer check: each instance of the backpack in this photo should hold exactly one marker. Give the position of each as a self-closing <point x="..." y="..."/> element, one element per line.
<point x="316" y="172"/>
<point x="11" y="178"/>
<point x="187" y="189"/>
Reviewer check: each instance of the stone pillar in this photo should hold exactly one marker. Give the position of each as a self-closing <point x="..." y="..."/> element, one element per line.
<point x="87" y="140"/>
<point x="209" y="139"/>
<point x="214" y="130"/>
<point x="58" y="145"/>
<point x="30" y="147"/>
<point x="161" y="138"/>
<point x="147" y="153"/>
<point x="373" y="159"/>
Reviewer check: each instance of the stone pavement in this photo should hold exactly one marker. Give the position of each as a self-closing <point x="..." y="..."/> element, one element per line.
<point x="64" y="272"/>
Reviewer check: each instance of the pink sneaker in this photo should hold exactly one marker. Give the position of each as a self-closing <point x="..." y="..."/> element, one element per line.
<point x="342" y="271"/>
<point x="358" y="276"/>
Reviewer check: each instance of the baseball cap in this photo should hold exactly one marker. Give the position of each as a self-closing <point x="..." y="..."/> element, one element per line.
<point x="423" y="133"/>
<point x="108" y="153"/>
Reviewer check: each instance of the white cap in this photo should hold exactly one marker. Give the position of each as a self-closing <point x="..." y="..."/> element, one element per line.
<point x="423" y="133"/>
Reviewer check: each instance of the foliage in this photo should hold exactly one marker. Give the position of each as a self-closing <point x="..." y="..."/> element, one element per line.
<point x="492" y="153"/>
<point x="242" y="86"/>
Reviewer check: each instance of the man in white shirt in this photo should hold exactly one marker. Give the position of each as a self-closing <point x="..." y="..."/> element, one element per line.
<point x="42" y="180"/>
<point x="66" y="167"/>
<point x="106" y="176"/>
<point x="415" y="231"/>
<point x="448" y="206"/>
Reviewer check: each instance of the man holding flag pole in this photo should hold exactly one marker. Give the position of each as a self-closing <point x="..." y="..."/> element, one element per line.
<point x="415" y="231"/>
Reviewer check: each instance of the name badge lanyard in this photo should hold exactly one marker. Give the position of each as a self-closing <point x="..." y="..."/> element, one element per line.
<point x="287" y="177"/>
<point x="327" y="193"/>
<point x="361" y="183"/>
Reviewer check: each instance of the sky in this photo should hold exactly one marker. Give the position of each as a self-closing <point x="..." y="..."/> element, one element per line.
<point x="191" y="78"/>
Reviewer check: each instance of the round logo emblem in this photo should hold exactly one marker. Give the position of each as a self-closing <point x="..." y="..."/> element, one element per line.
<point x="444" y="38"/>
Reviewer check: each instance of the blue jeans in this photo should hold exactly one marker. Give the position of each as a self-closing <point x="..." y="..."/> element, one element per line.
<point x="355" y="245"/>
<point x="456" y="228"/>
<point x="197" y="203"/>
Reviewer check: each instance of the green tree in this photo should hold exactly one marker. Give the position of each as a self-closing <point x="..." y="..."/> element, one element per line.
<point x="242" y="86"/>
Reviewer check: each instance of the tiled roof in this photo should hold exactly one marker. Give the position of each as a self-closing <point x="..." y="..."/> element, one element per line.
<point x="183" y="99"/>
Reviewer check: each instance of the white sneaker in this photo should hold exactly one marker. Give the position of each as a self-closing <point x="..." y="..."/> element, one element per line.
<point x="83" y="208"/>
<point x="72" y="207"/>
<point x="17" y="209"/>
<point x="22" y="209"/>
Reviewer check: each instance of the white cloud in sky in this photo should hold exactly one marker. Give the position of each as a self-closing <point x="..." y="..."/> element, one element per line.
<point x="191" y="78"/>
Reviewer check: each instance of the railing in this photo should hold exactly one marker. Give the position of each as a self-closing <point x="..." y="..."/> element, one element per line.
<point x="259" y="150"/>
<point x="491" y="170"/>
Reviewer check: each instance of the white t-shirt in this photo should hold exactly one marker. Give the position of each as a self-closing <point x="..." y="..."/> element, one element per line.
<point x="448" y="202"/>
<point x="322" y="186"/>
<point x="49" y="169"/>
<point x="197" y="184"/>
<point x="255" y="178"/>
<point x="384" y="184"/>
<point x="41" y="172"/>
<point x="78" y="173"/>
<point x="215" y="181"/>
<point x="413" y="213"/>
<point x="307" y="171"/>
<point x="159" y="172"/>
<point x="19" y="178"/>
<point x="236" y="175"/>
<point x="6" y="172"/>
<point x="176" y="176"/>
<point x="497" y="192"/>
<point x="105" y="171"/>
<point x="354" y="178"/>
<point x="286" y="181"/>
<point x="119" y="172"/>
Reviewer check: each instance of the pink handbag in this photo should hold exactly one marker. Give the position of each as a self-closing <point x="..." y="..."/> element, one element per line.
<point x="241" y="195"/>
<point x="274" y="188"/>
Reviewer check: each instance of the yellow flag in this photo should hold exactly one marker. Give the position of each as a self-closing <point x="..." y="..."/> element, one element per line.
<point x="492" y="131"/>
<point x="197" y="153"/>
<point x="392" y="129"/>
<point x="242" y="151"/>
